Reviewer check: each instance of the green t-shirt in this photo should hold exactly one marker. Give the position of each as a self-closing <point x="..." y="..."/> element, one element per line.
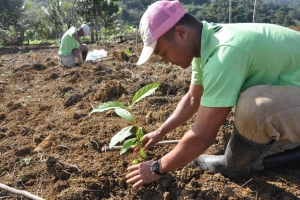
<point x="68" y="42"/>
<point x="235" y="57"/>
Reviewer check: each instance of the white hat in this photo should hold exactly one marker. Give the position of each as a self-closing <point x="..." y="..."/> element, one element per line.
<point x="85" y="29"/>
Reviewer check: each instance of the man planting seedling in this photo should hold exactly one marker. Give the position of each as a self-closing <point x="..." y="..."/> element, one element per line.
<point x="255" y="67"/>
<point x="71" y="45"/>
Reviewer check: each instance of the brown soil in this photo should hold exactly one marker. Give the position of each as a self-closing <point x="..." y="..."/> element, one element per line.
<point x="43" y="103"/>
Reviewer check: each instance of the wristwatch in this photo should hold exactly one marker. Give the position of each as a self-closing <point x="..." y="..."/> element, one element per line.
<point x="155" y="168"/>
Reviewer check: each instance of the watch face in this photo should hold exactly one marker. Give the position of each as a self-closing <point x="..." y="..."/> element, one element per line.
<point x="154" y="167"/>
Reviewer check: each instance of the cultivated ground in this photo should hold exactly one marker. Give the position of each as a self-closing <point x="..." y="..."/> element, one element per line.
<point x="50" y="144"/>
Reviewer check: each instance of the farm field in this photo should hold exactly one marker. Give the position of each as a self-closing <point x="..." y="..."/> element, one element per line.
<point x="51" y="146"/>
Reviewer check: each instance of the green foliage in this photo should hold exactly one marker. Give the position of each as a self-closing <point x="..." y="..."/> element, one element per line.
<point x="29" y="35"/>
<point x="11" y="62"/>
<point x="126" y="113"/>
<point x="27" y="160"/>
<point x="48" y="19"/>
<point x="34" y="42"/>
<point x="11" y="19"/>
<point x="144" y="92"/>
<point x="29" y="98"/>
<point x="128" y="51"/>
<point x="128" y="30"/>
<point x="242" y="12"/>
<point x="10" y="12"/>
<point x="286" y="2"/>
<point x="218" y="11"/>
<point x="66" y="11"/>
<point x="100" y="13"/>
<point x="10" y="37"/>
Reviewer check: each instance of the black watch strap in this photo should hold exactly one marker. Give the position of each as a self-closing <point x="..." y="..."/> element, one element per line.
<point x="155" y="168"/>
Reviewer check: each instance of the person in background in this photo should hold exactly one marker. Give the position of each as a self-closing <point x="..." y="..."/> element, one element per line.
<point x="252" y="67"/>
<point x="71" y="45"/>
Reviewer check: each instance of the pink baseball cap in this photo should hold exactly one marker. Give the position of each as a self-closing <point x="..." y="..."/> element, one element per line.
<point x="156" y="21"/>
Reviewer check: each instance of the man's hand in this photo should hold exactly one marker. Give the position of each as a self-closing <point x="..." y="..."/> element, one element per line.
<point x="141" y="174"/>
<point x="149" y="140"/>
<point x="79" y="61"/>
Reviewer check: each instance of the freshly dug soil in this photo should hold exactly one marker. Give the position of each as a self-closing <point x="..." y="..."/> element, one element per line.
<point x="50" y="144"/>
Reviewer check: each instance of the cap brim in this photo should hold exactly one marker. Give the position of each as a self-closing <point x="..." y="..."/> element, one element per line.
<point x="146" y="53"/>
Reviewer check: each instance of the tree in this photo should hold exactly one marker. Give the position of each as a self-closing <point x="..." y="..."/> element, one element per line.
<point x="55" y="18"/>
<point x="67" y="12"/>
<point x="10" y="12"/>
<point x="230" y="11"/>
<point x="254" y="11"/>
<point x="99" y="13"/>
<point x="109" y="15"/>
<point x="10" y="15"/>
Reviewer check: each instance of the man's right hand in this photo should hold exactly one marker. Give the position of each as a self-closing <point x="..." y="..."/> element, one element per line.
<point x="81" y="46"/>
<point x="79" y="61"/>
<point x="150" y="140"/>
<point x="186" y="108"/>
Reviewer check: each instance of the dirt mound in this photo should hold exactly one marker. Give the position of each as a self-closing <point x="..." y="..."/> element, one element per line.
<point x="50" y="144"/>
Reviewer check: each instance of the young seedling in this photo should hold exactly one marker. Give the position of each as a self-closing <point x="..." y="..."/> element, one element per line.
<point x="128" y="51"/>
<point x="126" y="113"/>
<point x="27" y="160"/>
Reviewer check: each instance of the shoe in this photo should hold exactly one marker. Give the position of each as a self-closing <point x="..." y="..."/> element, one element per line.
<point x="241" y="158"/>
<point x="289" y="159"/>
<point x="84" y="55"/>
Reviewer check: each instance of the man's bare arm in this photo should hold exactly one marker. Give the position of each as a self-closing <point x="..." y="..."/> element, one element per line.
<point x="76" y="36"/>
<point x="193" y="143"/>
<point x="186" y="108"/>
<point x="196" y="140"/>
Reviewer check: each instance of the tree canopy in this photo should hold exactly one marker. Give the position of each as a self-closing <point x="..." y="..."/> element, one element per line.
<point x="282" y="12"/>
<point x="49" y="19"/>
<point x="10" y="12"/>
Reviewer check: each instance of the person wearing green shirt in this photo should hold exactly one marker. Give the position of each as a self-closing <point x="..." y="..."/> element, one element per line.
<point x="251" y="69"/>
<point x="71" y="45"/>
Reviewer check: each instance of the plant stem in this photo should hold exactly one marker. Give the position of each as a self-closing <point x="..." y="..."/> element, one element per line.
<point x="19" y="192"/>
<point x="106" y="148"/>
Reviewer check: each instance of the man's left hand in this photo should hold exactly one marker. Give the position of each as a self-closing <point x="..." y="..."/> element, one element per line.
<point x="141" y="174"/>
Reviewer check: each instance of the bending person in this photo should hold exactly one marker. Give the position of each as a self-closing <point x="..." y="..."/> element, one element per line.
<point x="71" y="46"/>
<point x="255" y="67"/>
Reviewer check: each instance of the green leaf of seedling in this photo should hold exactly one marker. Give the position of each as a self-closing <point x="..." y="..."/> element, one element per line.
<point x="125" y="114"/>
<point x="107" y="106"/>
<point x="135" y="161"/>
<point x="121" y="135"/>
<point x="27" y="160"/>
<point x="127" y="144"/>
<point x="140" y="133"/>
<point x="144" y="92"/>
<point x="138" y="143"/>
<point x="142" y="153"/>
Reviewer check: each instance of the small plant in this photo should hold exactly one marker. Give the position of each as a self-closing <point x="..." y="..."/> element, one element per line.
<point x="160" y="64"/>
<point x="20" y="174"/>
<point x="29" y="98"/>
<point x="11" y="62"/>
<point x="8" y="73"/>
<point x="27" y="160"/>
<point x="128" y="51"/>
<point x="126" y="113"/>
